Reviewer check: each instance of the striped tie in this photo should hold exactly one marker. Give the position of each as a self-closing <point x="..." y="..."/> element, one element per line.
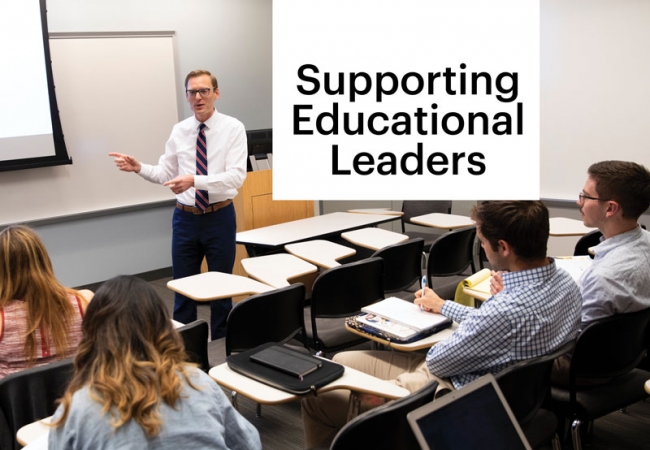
<point x="201" y="197"/>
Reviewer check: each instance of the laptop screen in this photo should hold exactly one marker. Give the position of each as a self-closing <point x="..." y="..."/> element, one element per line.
<point x="475" y="419"/>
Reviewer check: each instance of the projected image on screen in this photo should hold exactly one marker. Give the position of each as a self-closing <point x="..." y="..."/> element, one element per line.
<point x="30" y="130"/>
<point x="476" y="421"/>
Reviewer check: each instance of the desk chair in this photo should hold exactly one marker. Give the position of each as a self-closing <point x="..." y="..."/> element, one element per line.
<point x="274" y="316"/>
<point x="414" y="208"/>
<point x="338" y="293"/>
<point x="451" y="255"/>
<point x="402" y="266"/>
<point x="385" y="427"/>
<point x="30" y="395"/>
<point x="606" y="348"/>
<point x="587" y="241"/>
<point x="525" y="386"/>
<point x="195" y="338"/>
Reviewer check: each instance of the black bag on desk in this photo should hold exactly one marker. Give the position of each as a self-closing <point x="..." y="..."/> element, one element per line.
<point x="294" y="372"/>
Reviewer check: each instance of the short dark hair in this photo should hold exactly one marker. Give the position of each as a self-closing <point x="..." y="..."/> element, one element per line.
<point x="198" y="73"/>
<point x="522" y="224"/>
<point x="627" y="183"/>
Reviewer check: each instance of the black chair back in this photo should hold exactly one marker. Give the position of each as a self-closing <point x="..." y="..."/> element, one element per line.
<point x="452" y="253"/>
<point x="195" y="339"/>
<point x="343" y="290"/>
<point x="590" y="239"/>
<point x="30" y="395"/>
<point x="386" y="426"/>
<point x="610" y="347"/>
<point x="338" y="293"/>
<point x="414" y="208"/>
<point x="274" y="316"/>
<point x="402" y="264"/>
<point x="526" y="383"/>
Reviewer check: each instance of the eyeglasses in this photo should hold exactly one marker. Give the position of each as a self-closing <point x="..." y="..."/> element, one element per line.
<point x="204" y="92"/>
<point x="582" y="197"/>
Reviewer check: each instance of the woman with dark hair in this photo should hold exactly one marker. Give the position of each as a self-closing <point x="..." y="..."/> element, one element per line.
<point x="40" y="320"/>
<point x="132" y="387"/>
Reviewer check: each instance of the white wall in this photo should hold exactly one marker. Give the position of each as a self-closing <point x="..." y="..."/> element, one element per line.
<point x="595" y="67"/>
<point x="231" y="38"/>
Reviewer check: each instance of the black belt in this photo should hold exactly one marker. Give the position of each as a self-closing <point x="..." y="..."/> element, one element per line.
<point x="198" y="211"/>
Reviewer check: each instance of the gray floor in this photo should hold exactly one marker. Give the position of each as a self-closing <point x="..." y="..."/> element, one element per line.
<point x="280" y="426"/>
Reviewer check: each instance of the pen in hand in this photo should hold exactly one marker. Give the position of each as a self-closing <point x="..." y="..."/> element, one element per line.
<point x="424" y="286"/>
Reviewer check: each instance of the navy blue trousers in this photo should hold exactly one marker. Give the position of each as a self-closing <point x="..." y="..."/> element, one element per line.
<point x="194" y="236"/>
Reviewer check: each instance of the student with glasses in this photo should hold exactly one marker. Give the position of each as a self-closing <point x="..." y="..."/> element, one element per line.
<point x="614" y="196"/>
<point x="204" y="164"/>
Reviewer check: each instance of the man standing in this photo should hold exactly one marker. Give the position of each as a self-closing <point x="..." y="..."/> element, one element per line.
<point x="537" y="311"/>
<point x="204" y="164"/>
<point x="613" y="198"/>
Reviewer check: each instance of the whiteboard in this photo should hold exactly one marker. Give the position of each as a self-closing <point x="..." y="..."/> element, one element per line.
<point x="595" y="89"/>
<point x="116" y="92"/>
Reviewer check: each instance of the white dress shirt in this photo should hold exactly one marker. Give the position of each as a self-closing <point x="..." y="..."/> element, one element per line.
<point x="227" y="152"/>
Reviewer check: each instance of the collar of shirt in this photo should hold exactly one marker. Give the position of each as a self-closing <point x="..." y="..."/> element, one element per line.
<point x="210" y="123"/>
<point x="513" y="279"/>
<point x="607" y="245"/>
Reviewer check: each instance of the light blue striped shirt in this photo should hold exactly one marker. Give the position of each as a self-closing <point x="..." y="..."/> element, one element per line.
<point x="618" y="281"/>
<point x="537" y="311"/>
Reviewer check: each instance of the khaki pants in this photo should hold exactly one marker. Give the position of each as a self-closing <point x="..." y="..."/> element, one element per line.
<point x="324" y="415"/>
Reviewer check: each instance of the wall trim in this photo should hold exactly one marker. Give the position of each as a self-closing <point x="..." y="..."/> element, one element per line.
<point x="149" y="276"/>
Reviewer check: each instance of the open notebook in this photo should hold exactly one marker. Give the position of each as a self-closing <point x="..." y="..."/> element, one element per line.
<point x="401" y="320"/>
<point x="479" y="282"/>
<point x="474" y="417"/>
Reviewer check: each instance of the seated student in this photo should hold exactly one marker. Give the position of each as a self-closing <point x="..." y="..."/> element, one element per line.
<point x="132" y="388"/>
<point x="40" y="320"/>
<point x="537" y="311"/>
<point x="613" y="198"/>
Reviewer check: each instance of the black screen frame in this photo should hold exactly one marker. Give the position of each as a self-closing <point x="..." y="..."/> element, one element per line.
<point x="60" y="156"/>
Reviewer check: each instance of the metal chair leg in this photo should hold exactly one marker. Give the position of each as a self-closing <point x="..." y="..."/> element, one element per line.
<point x="424" y="261"/>
<point x="555" y="442"/>
<point x="354" y="406"/>
<point x="575" y="435"/>
<point x="233" y="400"/>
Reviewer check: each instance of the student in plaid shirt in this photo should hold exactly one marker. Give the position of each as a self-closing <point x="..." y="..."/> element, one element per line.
<point x="536" y="311"/>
